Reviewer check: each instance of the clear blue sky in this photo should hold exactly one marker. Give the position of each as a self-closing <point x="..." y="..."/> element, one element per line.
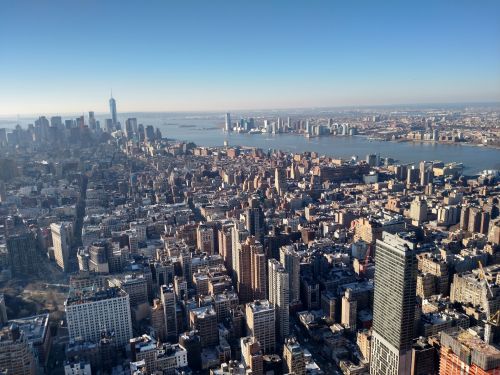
<point x="65" y="56"/>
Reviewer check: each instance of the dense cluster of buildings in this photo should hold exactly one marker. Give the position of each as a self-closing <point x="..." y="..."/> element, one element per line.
<point x="181" y="259"/>
<point x="411" y="125"/>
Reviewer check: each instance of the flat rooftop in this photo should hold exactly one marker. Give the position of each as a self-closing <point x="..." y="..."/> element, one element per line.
<point x="86" y="295"/>
<point x="34" y="327"/>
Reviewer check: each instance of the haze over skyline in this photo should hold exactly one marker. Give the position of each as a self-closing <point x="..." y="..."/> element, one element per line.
<point x="65" y="57"/>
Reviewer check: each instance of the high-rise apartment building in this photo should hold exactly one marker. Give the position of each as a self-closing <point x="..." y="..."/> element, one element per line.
<point x="226" y="246"/>
<point x="261" y="323"/>
<point x="394" y="304"/>
<point x="279" y="296"/>
<point x="238" y="236"/>
<point x="425" y="173"/>
<point x="62" y="235"/>
<point x="259" y="274"/>
<point x="254" y="219"/>
<point x="168" y="300"/>
<point x="474" y="224"/>
<point x="243" y="270"/>
<point x="290" y="259"/>
<point x="89" y="312"/>
<point x="412" y="175"/>
<point x="464" y="217"/>
<point x="251" y="276"/>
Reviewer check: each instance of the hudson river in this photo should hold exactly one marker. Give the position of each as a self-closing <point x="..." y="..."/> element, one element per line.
<point x="205" y="130"/>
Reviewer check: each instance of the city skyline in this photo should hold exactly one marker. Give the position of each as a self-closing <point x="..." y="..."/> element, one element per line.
<point x="250" y="187"/>
<point x="226" y="57"/>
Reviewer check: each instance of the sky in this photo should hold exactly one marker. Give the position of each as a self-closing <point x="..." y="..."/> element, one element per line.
<point x="65" y="56"/>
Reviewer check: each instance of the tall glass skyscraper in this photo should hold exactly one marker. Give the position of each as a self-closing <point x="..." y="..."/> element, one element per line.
<point x="112" y="109"/>
<point x="394" y="304"/>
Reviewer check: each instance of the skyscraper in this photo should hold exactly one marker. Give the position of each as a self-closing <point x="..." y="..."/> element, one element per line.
<point x="227" y="127"/>
<point x="56" y="122"/>
<point x="109" y="125"/>
<point x="291" y="261"/>
<point x="280" y="180"/>
<point x="62" y="234"/>
<point x="23" y="256"/>
<point x="131" y="127"/>
<point x="251" y="271"/>
<point x="425" y="173"/>
<point x="238" y="236"/>
<point x="226" y="245"/>
<point x="92" y="121"/>
<point x="261" y="322"/>
<point x="168" y="301"/>
<point x="254" y="221"/>
<point x="279" y="296"/>
<point x="259" y="275"/>
<point x="394" y="304"/>
<point x="112" y="110"/>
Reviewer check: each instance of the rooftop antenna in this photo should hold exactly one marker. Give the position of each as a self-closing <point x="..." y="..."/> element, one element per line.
<point x="111" y="93"/>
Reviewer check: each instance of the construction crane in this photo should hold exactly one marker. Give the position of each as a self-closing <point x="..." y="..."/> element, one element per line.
<point x="491" y="320"/>
<point x="494" y="320"/>
<point x="367" y="259"/>
<point x="483" y="276"/>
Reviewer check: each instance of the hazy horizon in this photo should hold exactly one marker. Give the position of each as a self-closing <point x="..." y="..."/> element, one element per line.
<point x="221" y="112"/>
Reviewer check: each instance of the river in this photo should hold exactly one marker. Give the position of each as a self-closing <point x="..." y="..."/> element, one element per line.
<point x="205" y="130"/>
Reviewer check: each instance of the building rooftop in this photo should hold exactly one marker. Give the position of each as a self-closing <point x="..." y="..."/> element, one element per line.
<point x="260" y="305"/>
<point x="168" y="350"/>
<point x="204" y="311"/>
<point x="469" y="347"/>
<point x="143" y="343"/>
<point x="293" y="345"/>
<point x="34" y="327"/>
<point x="86" y="295"/>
